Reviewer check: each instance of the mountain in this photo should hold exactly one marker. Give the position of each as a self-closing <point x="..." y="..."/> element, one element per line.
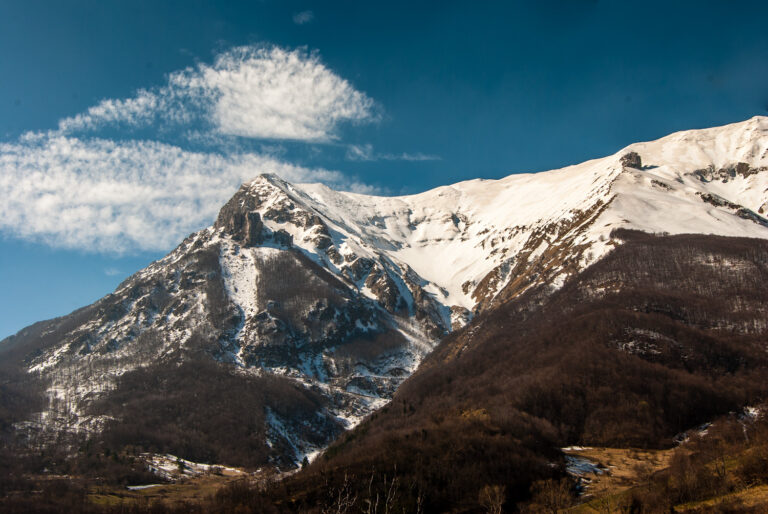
<point x="301" y="310"/>
<point x="664" y="334"/>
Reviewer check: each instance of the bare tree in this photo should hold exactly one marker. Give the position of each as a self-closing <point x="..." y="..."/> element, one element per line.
<point x="551" y="495"/>
<point x="342" y="499"/>
<point x="492" y="498"/>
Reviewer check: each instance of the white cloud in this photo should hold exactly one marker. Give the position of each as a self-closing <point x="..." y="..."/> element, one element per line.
<point x="117" y="197"/>
<point x="360" y="152"/>
<point x="303" y="17"/>
<point x="256" y="92"/>
<point x="366" y="153"/>
<point x="71" y="188"/>
<point x="140" y="110"/>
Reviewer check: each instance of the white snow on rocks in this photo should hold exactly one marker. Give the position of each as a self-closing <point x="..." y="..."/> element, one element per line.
<point x="447" y="235"/>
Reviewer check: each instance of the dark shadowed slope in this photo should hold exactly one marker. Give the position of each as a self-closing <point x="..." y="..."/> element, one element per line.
<point x="663" y="334"/>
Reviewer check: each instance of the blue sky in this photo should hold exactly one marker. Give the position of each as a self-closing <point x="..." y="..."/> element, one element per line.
<point x="124" y="125"/>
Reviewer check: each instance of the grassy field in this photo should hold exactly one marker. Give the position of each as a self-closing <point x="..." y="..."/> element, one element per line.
<point x="624" y="469"/>
<point x="184" y="491"/>
<point x="750" y="499"/>
<point x="631" y="473"/>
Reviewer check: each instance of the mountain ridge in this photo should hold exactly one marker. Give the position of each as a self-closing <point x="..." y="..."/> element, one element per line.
<point x="445" y="211"/>
<point x="343" y="294"/>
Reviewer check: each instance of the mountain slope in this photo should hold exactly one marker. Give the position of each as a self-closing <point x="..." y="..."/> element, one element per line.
<point x="317" y="304"/>
<point x="662" y="335"/>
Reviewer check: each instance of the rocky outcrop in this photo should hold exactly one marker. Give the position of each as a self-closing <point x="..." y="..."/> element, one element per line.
<point x="253" y="229"/>
<point x="359" y="268"/>
<point x="239" y="219"/>
<point x="385" y="289"/>
<point x="631" y="160"/>
<point x="282" y="238"/>
<point x="460" y="316"/>
<point x="726" y="173"/>
<point x="739" y="210"/>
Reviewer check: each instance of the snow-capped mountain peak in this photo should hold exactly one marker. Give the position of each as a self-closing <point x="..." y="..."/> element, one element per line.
<point x="343" y="294"/>
<point x="455" y="236"/>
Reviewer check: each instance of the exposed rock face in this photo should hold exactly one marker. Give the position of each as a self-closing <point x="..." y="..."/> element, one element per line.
<point x="253" y="227"/>
<point x="460" y="316"/>
<point x="631" y="160"/>
<point x="385" y="289"/>
<point x="282" y="238"/>
<point x="232" y="217"/>
<point x="739" y="210"/>
<point x="728" y="172"/>
<point x="360" y="268"/>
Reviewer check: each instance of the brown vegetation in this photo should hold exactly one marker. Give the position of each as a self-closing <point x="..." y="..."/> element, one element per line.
<point x="550" y="371"/>
<point x="662" y="335"/>
<point x="207" y="413"/>
<point x="721" y="469"/>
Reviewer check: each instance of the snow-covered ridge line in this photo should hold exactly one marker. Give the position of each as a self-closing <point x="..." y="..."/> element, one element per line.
<point x="456" y="235"/>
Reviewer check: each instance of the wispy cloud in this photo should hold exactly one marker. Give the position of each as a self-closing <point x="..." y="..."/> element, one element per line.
<point x="366" y="153"/>
<point x="140" y="110"/>
<point x="112" y="272"/>
<point x="75" y="187"/>
<point x="114" y="197"/>
<point x="303" y="17"/>
<point x="255" y="92"/>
